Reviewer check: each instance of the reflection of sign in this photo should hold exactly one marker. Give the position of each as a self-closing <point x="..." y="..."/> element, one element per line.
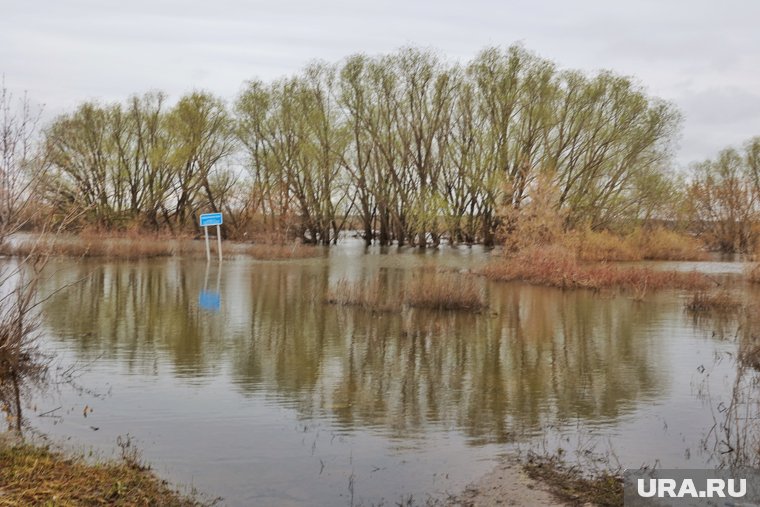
<point x="209" y="219"/>
<point x="210" y="300"/>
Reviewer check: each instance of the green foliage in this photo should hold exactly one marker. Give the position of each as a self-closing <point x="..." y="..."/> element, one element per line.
<point x="406" y="147"/>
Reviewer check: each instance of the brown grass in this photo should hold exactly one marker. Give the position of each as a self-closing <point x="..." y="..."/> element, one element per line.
<point x="369" y="294"/>
<point x="274" y="251"/>
<point x="709" y="302"/>
<point x="642" y="244"/>
<point x="132" y="246"/>
<point x="556" y="267"/>
<point x="38" y="476"/>
<point x="445" y="291"/>
<point x="441" y="291"/>
<point x="121" y="248"/>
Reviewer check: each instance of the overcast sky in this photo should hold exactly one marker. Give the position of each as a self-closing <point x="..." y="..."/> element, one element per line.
<point x="702" y="55"/>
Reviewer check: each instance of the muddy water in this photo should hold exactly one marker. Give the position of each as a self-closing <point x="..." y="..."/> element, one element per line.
<point x="241" y="382"/>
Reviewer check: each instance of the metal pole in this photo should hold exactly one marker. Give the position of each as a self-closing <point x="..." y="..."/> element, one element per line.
<point x="219" y="241"/>
<point x="208" y="249"/>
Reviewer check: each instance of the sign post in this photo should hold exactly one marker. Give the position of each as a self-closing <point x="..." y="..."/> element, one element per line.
<point x="207" y="220"/>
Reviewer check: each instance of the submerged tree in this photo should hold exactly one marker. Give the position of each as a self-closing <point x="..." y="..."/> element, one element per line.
<point x="405" y="148"/>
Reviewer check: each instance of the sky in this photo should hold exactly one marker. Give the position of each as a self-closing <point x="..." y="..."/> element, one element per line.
<point x="703" y="56"/>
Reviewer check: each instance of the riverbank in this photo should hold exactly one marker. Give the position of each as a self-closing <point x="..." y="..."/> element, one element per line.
<point x="39" y="475"/>
<point x="541" y="481"/>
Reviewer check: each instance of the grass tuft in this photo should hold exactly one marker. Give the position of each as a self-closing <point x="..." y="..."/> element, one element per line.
<point x="445" y="292"/>
<point x="709" y="302"/>
<point x="368" y="294"/>
<point x="440" y="291"/>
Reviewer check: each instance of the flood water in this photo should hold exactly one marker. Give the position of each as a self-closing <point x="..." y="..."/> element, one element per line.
<point x="242" y="382"/>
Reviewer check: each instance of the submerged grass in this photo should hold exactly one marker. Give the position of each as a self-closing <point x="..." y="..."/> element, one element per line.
<point x="439" y="291"/>
<point x="31" y="475"/>
<point x="571" y="485"/>
<point x="708" y="302"/>
<point x="557" y="267"/>
<point x="283" y="251"/>
<point x="368" y="294"/>
<point x="445" y="292"/>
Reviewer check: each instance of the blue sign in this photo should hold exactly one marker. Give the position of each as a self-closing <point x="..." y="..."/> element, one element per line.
<point x="210" y="300"/>
<point x="208" y="219"/>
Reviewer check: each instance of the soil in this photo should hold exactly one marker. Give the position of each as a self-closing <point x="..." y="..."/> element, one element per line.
<point x="507" y="485"/>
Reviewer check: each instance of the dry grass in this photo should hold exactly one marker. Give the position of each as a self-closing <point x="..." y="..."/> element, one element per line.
<point x="121" y="248"/>
<point x="441" y="291"/>
<point x="709" y="302"/>
<point x="369" y="294"/>
<point x="446" y="291"/>
<point x="556" y="267"/>
<point x="660" y="244"/>
<point x="37" y="476"/>
<point x="642" y="244"/>
<point x="132" y="247"/>
<point x="568" y="483"/>
<point x="275" y="251"/>
<point x="603" y="246"/>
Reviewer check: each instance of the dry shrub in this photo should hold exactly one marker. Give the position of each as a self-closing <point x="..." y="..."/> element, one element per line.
<point x="445" y="292"/>
<point x="655" y="243"/>
<point x="369" y="294"/>
<point x="556" y="267"/>
<point x="603" y="246"/>
<point x="708" y="302"/>
<point x="537" y="222"/>
<point x="274" y="251"/>
<point x="663" y="244"/>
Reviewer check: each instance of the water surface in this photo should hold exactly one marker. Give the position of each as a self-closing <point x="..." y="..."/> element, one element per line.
<point x="241" y="381"/>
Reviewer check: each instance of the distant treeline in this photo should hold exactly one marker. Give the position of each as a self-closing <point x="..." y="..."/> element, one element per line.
<point x="406" y="148"/>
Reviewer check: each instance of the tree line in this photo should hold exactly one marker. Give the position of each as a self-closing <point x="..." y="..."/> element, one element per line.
<point x="404" y="148"/>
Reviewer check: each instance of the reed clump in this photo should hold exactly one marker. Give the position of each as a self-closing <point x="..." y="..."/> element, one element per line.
<point x="555" y="266"/>
<point x="722" y="302"/>
<point x="368" y="294"/>
<point x="32" y="475"/>
<point x="440" y="291"/>
<point x="445" y="292"/>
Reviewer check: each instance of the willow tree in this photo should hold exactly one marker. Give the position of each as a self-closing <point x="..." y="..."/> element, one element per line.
<point x="203" y="136"/>
<point x="296" y="152"/>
